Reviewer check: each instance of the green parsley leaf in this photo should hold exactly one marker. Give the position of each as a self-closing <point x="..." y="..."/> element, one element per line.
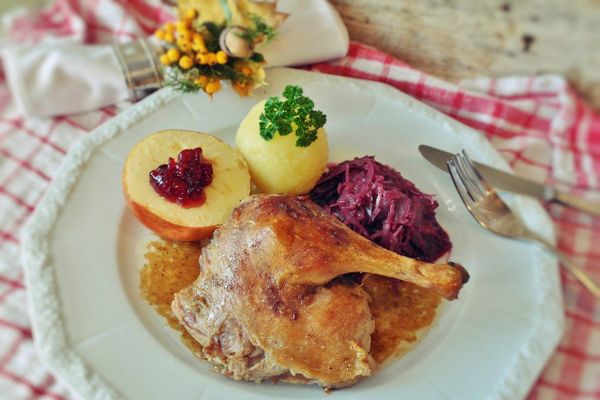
<point x="293" y="111"/>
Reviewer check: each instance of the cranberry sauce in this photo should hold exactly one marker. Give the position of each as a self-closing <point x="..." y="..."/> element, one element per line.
<point x="183" y="181"/>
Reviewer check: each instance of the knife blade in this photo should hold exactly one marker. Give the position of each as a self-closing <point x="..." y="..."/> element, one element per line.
<point x="511" y="183"/>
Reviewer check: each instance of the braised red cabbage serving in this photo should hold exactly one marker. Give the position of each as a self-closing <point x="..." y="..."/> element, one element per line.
<point x="377" y="202"/>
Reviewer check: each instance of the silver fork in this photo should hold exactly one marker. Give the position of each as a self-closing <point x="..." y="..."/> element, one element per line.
<point x="492" y="213"/>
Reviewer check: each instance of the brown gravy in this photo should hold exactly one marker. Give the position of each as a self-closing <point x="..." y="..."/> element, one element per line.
<point x="170" y="267"/>
<point x="402" y="311"/>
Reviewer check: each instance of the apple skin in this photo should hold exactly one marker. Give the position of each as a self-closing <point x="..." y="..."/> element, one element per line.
<point x="231" y="184"/>
<point x="166" y="229"/>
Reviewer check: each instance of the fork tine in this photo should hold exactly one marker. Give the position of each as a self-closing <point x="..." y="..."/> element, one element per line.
<point x="464" y="194"/>
<point x="466" y="197"/>
<point x="491" y="212"/>
<point x="469" y="178"/>
<point x="486" y="187"/>
<point x="467" y="183"/>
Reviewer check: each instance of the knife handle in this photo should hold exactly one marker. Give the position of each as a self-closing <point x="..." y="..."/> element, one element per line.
<point x="587" y="206"/>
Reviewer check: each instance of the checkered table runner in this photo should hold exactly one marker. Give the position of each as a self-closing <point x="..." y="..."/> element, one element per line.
<point x="537" y="123"/>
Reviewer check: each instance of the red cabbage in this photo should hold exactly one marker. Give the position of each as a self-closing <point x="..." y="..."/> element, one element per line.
<point x="377" y="202"/>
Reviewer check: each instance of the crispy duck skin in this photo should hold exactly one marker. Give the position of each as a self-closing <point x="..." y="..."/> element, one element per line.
<point x="313" y="247"/>
<point x="269" y="302"/>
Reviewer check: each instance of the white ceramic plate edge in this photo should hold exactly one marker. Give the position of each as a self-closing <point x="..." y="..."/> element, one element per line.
<point x="44" y="308"/>
<point x="49" y="333"/>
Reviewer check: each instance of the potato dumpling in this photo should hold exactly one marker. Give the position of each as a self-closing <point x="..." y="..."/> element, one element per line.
<point x="278" y="165"/>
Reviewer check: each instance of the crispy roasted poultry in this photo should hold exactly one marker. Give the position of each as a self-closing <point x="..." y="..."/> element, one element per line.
<point x="271" y="300"/>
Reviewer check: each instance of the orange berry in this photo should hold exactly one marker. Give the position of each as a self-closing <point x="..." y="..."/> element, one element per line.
<point x="241" y="88"/>
<point x="164" y="59"/>
<point x="201" y="80"/>
<point x="169" y="37"/>
<point x="202" y="58"/>
<point x="212" y="87"/>
<point x="184" y="45"/>
<point x="198" y="44"/>
<point x="222" y="57"/>
<point x="173" y="54"/>
<point x="182" y="25"/>
<point x="247" y="71"/>
<point x="200" y="47"/>
<point x="169" y="27"/>
<point x="191" y="13"/>
<point x="159" y="34"/>
<point x="186" y="35"/>
<point x="212" y="59"/>
<point x="186" y="62"/>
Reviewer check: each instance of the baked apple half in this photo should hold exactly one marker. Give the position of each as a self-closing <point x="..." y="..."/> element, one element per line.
<point x="184" y="184"/>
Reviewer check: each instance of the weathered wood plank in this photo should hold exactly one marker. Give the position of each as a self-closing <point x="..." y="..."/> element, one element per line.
<point x="457" y="39"/>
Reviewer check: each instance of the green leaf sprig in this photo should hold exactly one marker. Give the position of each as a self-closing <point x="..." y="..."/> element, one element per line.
<point x="260" y="31"/>
<point x="293" y="111"/>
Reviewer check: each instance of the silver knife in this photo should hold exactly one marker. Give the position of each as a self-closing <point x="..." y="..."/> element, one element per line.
<point x="511" y="183"/>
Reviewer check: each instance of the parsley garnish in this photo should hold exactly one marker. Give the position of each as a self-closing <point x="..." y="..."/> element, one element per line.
<point x="296" y="111"/>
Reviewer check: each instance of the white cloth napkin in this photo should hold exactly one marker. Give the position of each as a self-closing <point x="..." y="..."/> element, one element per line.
<point x="313" y="32"/>
<point x="48" y="79"/>
<point x="57" y="79"/>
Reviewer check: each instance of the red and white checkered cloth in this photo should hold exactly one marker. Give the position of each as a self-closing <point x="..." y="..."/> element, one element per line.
<point x="541" y="127"/>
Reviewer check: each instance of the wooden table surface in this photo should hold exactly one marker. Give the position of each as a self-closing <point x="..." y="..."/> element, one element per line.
<point x="457" y="39"/>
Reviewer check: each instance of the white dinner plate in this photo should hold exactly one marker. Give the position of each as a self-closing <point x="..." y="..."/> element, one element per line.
<point x="83" y="250"/>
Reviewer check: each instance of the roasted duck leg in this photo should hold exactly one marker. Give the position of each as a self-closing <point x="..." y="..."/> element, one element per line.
<point x="270" y="302"/>
<point x="314" y="247"/>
